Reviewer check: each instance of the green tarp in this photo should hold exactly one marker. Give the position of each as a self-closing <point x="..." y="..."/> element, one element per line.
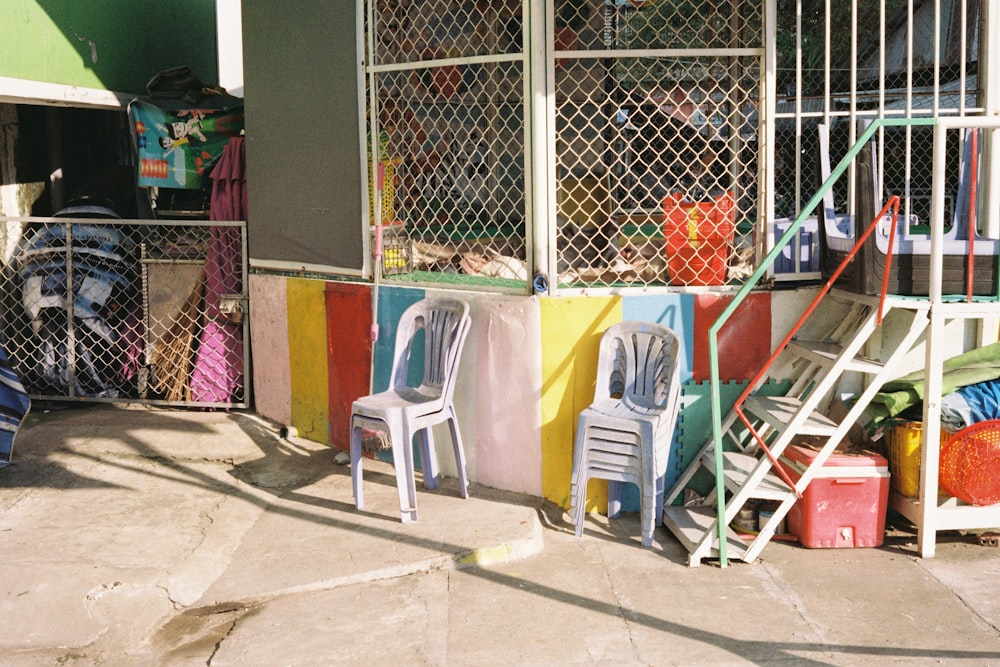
<point x="979" y="365"/>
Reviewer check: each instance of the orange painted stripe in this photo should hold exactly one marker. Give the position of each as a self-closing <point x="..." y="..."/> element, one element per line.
<point x="349" y="354"/>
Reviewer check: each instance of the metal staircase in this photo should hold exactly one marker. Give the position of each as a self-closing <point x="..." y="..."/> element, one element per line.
<point x="759" y="428"/>
<point x="742" y="453"/>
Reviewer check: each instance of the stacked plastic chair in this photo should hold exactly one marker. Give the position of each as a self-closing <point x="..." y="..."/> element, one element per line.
<point x="625" y="435"/>
<point x="406" y="411"/>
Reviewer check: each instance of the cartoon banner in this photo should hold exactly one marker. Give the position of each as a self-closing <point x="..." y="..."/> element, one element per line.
<point x="177" y="149"/>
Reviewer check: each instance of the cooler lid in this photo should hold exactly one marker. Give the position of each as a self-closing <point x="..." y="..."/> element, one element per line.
<point x="805" y="455"/>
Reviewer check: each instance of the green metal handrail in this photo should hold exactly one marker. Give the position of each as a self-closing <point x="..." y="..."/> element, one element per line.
<point x="713" y="332"/>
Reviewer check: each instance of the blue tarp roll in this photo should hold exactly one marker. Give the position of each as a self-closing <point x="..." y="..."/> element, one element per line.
<point x="971" y="404"/>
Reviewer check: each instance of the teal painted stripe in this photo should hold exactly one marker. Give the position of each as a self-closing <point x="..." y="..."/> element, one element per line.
<point x="392" y="301"/>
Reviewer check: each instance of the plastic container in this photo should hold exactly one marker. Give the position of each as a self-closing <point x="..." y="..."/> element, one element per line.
<point x="765" y="514"/>
<point x="746" y="519"/>
<point x="844" y="505"/>
<point x="904" y="457"/>
<point x="903" y="446"/>
<point x="698" y="238"/>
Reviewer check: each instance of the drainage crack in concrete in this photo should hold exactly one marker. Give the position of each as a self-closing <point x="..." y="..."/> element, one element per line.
<point x="176" y="604"/>
<point x="195" y="632"/>
<point x="781" y="592"/>
<point x="987" y="623"/>
<point x="222" y="640"/>
<point x="623" y="611"/>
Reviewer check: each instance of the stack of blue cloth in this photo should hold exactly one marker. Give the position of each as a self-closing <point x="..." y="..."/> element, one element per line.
<point x="14" y="406"/>
<point x="971" y="404"/>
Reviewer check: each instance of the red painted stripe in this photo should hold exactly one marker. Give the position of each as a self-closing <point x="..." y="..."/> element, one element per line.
<point x="349" y="354"/>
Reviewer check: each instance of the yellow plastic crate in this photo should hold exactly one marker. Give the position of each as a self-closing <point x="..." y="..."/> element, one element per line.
<point x="904" y="456"/>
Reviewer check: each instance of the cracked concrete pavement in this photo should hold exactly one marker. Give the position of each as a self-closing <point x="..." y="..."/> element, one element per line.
<point x="142" y="536"/>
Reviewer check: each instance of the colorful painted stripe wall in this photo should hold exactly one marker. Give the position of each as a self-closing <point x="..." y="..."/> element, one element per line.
<point x="527" y="370"/>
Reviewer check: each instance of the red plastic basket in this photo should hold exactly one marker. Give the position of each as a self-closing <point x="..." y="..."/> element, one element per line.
<point x="698" y="238"/>
<point x="970" y="464"/>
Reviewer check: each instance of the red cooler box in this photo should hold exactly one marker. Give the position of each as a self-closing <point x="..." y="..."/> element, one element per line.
<point x="844" y="505"/>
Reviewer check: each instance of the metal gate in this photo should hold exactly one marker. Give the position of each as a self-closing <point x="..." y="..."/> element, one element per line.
<point x="102" y="309"/>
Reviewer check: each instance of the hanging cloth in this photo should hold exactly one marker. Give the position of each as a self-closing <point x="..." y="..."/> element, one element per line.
<point x="217" y="376"/>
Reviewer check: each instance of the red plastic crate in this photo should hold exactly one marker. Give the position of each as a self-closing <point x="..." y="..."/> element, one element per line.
<point x="844" y="505"/>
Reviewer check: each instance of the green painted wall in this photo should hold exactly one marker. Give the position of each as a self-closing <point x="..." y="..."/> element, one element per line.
<point x="113" y="45"/>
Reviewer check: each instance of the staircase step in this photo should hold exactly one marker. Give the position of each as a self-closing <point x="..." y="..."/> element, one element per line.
<point x="738" y="467"/>
<point x="827" y="354"/>
<point x="690" y="526"/>
<point x="778" y="411"/>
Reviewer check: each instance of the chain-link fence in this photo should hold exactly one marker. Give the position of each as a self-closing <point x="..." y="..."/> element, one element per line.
<point x="671" y="154"/>
<point x="658" y="141"/>
<point x="447" y="81"/>
<point x="120" y="310"/>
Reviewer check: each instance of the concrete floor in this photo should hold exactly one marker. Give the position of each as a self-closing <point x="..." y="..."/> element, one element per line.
<point x="138" y="536"/>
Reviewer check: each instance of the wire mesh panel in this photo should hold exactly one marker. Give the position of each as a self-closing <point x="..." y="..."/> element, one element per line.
<point x="657" y="140"/>
<point x="128" y="310"/>
<point x="446" y="81"/>
<point x="661" y="170"/>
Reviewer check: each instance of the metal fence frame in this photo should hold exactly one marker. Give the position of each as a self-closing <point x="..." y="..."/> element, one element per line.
<point x="232" y="308"/>
<point x="906" y="67"/>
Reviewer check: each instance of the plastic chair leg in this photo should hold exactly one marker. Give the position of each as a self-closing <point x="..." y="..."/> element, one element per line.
<point x="614" y="499"/>
<point x="647" y="523"/>
<point x="456" y="442"/>
<point x="356" y="458"/>
<point x="647" y="531"/>
<point x="402" y="461"/>
<point x="573" y="504"/>
<point x="658" y="505"/>
<point x="577" y="477"/>
<point x="652" y="509"/>
<point x="428" y="457"/>
<point x="580" y="504"/>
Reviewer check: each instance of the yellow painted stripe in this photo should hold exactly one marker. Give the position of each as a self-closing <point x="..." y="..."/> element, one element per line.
<point x="571" y="334"/>
<point x="307" y="358"/>
<point x="507" y="552"/>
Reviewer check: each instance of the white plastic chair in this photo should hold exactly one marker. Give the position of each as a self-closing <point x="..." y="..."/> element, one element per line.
<point x="625" y="435"/>
<point x="407" y="411"/>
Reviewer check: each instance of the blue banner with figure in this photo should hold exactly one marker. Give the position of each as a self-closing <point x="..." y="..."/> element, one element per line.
<point x="178" y="148"/>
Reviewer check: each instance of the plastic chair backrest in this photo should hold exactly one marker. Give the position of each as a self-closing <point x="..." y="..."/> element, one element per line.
<point x="445" y="323"/>
<point x="637" y="364"/>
